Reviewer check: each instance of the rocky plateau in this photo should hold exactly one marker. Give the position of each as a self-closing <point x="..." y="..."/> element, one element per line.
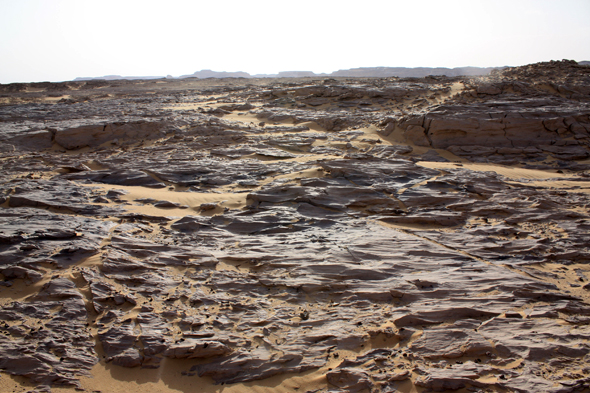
<point x="329" y="234"/>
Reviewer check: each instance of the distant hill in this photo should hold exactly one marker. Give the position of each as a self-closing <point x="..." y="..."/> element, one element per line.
<point x="418" y="72"/>
<point x="295" y="74"/>
<point x="584" y="63"/>
<point x="364" y="72"/>
<point x="203" y="74"/>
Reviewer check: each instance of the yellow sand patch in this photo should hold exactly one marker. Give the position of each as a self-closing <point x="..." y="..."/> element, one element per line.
<point x="571" y="186"/>
<point x="507" y="171"/>
<point x="191" y="199"/>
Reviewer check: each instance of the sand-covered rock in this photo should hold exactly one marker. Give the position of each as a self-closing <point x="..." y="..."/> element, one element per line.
<point x="355" y="235"/>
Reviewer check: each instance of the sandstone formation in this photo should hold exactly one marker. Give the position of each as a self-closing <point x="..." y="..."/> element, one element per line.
<point x="358" y="235"/>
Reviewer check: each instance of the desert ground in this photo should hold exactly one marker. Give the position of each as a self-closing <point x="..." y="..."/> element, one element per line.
<point x="297" y="234"/>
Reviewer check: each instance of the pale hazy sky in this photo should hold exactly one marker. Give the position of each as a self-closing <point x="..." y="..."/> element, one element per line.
<point x="60" y="40"/>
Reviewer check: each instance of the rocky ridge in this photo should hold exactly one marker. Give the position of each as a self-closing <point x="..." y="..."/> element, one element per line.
<point x="379" y="233"/>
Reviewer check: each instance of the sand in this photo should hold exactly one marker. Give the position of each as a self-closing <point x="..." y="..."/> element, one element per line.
<point x="511" y="172"/>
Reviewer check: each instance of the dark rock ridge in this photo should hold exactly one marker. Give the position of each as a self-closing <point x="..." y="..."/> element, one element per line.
<point x="360" y="230"/>
<point x="534" y="111"/>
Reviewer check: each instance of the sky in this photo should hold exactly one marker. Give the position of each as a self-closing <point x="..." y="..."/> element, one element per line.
<point x="59" y="40"/>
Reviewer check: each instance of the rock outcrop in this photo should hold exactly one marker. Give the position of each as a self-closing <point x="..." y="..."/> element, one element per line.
<point x="361" y="232"/>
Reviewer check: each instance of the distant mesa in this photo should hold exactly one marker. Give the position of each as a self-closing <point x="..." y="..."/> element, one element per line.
<point x="296" y="74"/>
<point x="367" y="72"/>
<point x="203" y="74"/>
<point x="363" y="72"/>
<point x="420" y="72"/>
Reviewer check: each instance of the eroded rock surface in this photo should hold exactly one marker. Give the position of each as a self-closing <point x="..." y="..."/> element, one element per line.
<point x="358" y="230"/>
